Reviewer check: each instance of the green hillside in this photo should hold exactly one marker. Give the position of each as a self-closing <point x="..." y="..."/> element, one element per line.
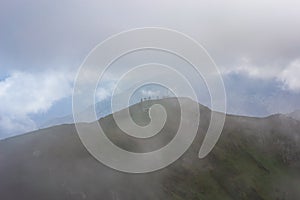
<point x="255" y="158"/>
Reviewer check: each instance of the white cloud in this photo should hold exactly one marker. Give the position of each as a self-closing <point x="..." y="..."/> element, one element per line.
<point x="290" y="76"/>
<point x="10" y="124"/>
<point x="266" y="32"/>
<point x="102" y="93"/>
<point x="246" y="67"/>
<point x="105" y="91"/>
<point x="105" y="87"/>
<point x="24" y="93"/>
<point x="154" y="91"/>
<point x="151" y="93"/>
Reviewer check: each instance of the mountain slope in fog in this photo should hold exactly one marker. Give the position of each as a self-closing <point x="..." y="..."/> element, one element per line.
<point x="102" y="109"/>
<point x="255" y="158"/>
<point x="295" y="115"/>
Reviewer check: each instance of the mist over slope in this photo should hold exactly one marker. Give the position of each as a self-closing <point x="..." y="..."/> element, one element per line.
<point x="102" y="109"/>
<point x="295" y="115"/>
<point x="255" y="158"/>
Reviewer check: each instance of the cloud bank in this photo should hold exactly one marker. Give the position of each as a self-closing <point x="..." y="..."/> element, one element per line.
<point x="286" y="75"/>
<point x="290" y="76"/>
<point x="258" y="41"/>
<point x="22" y="94"/>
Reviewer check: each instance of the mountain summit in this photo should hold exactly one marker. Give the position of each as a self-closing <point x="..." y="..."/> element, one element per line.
<point x="255" y="158"/>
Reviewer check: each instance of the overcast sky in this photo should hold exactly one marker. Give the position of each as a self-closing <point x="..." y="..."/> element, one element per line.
<point x="255" y="44"/>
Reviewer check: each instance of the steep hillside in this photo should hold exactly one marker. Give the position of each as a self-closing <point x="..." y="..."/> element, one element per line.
<point x="255" y="158"/>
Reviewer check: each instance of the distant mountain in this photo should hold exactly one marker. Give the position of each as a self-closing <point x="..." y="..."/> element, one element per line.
<point x="295" y="115"/>
<point x="255" y="158"/>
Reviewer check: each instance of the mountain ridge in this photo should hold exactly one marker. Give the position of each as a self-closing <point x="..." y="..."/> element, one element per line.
<point x="255" y="158"/>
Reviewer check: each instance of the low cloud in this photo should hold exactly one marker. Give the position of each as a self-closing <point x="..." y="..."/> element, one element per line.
<point x="287" y="75"/>
<point x="290" y="76"/>
<point x="151" y="93"/>
<point x="105" y="90"/>
<point x="22" y="94"/>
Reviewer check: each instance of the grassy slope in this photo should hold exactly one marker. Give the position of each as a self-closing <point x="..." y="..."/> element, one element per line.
<point x="245" y="164"/>
<point x="254" y="159"/>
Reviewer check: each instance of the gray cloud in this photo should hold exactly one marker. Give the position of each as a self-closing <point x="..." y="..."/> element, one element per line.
<point x="258" y="39"/>
<point x="39" y="34"/>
